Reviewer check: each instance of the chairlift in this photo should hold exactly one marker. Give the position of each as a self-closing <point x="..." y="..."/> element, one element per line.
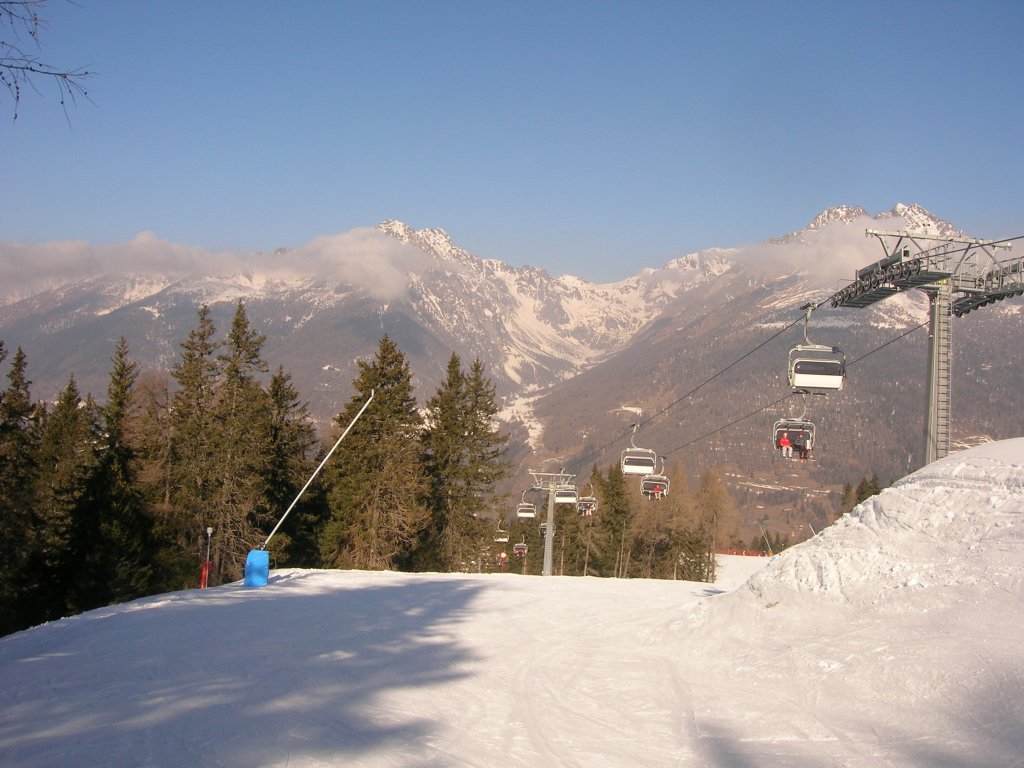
<point x="543" y="530"/>
<point x="799" y="433"/>
<point x="526" y="510"/>
<point x="655" y="486"/>
<point x="587" y="505"/>
<point x="815" y="368"/>
<point x="566" y="494"/>
<point x="519" y="550"/>
<point x="501" y="536"/>
<point x="638" y="461"/>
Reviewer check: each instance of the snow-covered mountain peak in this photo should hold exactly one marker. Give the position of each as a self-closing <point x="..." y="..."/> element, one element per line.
<point x="917" y="219"/>
<point x="846" y="214"/>
<point x="431" y="240"/>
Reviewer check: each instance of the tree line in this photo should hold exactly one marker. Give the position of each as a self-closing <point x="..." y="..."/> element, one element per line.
<point x="106" y="502"/>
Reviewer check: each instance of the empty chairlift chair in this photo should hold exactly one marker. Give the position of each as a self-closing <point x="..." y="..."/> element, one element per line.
<point x="815" y="369"/>
<point x="500" y="536"/>
<point x="526" y="510"/>
<point x="638" y="461"/>
<point x="566" y="494"/>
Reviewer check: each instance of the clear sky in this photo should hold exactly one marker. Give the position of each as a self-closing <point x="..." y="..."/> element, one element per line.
<point x="591" y="138"/>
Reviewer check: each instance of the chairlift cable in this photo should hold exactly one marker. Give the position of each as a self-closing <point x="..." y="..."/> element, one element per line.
<point x="595" y="452"/>
<point x="731" y="423"/>
<point x="891" y="341"/>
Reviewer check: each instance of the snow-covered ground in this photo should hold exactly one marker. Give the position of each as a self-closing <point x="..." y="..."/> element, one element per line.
<point x="893" y="638"/>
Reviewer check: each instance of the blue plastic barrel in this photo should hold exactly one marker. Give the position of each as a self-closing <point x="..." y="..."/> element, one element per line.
<point x="257" y="568"/>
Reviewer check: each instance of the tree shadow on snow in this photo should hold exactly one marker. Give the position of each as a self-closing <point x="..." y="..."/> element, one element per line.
<point x="233" y="676"/>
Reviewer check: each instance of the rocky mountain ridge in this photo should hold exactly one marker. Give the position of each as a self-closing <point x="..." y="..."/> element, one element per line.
<point x="573" y="361"/>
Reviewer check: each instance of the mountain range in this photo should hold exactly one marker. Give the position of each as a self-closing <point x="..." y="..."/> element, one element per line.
<point x="695" y="351"/>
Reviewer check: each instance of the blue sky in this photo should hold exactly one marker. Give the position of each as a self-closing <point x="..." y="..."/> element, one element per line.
<point x="590" y="138"/>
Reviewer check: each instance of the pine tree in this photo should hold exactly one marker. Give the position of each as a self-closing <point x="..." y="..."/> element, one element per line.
<point x="151" y="433"/>
<point x="463" y="451"/>
<point x="293" y="446"/>
<point x="868" y="487"/>
<point x="376" y="478"/>
<point x="125" y="529"/>
<point x="616" y="513"/>
<point x="66" y="519"/>
<point x="192" y="464"/>
<point x="848" y="501"/>
<point x="240" y="506"/>
<point x="19" y="435"/>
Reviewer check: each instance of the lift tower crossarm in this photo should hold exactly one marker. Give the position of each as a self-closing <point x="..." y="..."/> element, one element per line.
<point x="955" y="265"/>
<point x="550" y="481"/>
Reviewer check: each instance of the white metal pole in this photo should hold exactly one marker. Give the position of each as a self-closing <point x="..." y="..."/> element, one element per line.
<point x="317" y="471"/>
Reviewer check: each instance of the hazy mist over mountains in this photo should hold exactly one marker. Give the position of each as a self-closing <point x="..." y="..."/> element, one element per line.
<point x="566" y="355"/>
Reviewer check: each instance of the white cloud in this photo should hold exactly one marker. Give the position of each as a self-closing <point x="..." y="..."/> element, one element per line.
<point x="830" y="255"/>
<point x="365" y="257"/>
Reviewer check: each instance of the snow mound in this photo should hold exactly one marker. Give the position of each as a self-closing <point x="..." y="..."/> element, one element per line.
<point x="956" y="521"/>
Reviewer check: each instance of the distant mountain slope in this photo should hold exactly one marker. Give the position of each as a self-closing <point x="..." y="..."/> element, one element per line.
<point x="690" y="341"/>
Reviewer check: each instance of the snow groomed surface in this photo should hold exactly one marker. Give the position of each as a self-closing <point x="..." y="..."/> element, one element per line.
<point x="890" y="639"/>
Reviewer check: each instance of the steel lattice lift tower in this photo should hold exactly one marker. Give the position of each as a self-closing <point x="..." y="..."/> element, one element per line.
<point x="550" y="482"/>
<point x="966" y="268"/>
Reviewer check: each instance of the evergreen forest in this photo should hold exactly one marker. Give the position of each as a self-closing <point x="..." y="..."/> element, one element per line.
<point x="173" y="477"/>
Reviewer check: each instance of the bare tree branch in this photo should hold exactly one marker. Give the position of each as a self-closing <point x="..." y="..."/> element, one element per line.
<point x="20" y="68"/>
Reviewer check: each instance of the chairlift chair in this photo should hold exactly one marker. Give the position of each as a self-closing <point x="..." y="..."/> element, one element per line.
<point x="526" y="510"/>
<point x="800" y="433"/>
<point x="815" y="369"/>
<point x="587" y="505"/>
<point x="520" y="549"/>
<point x="638" y="461"/>
<point x="655" y="485"/>
<point x="566" y="494"/>
<point x="501" y="536"/>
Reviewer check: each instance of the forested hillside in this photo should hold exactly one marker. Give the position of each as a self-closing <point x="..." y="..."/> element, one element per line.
<point x="172" y="474"/>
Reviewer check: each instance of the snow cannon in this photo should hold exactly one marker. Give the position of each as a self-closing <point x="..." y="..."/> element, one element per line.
<point x="257" y="564"/>
<point x="257" y="568"/>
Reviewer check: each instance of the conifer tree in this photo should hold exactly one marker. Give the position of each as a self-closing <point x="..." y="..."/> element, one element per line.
<point x="192" y="464"/>
<point x="125" y="528"/>
<point x="293" y="447"/>
<point x="575" y="532"/>
<point x="66" y="518"/>
<point x="173" y="563"/>
<point x="682" y="556"/>
<point x="240" y="507"/>
<point x="376" y="478"/>
<point x="848" y="500"/>
<point x="611" y="544"/>
<point x="463" y="448"/>
<point x="868" y="487"/>
<point x="18" y="444"/>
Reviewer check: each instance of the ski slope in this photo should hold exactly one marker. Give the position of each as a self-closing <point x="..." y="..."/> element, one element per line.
<point x="893" y="638"/>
